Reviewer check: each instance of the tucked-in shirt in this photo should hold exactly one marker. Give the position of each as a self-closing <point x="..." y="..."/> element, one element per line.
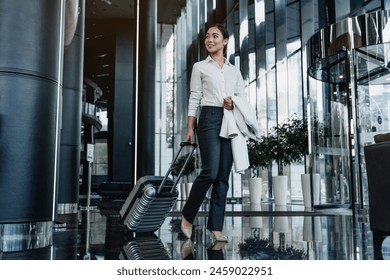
<point x="210" y="84"/>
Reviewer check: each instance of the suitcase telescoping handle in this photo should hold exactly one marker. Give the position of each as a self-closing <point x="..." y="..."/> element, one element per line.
<point x="182" y="145"/>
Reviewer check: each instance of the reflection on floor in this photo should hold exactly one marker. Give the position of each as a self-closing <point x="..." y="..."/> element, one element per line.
<point x="254" y="232"/>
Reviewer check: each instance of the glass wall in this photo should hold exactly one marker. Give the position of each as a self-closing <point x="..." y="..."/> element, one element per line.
<point x="266" y="43"/>
<point x="165" y="86"/>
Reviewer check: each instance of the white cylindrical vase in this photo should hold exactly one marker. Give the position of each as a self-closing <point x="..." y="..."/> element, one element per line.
<point x="279" y="184"/>
<point x="255" y="187"/>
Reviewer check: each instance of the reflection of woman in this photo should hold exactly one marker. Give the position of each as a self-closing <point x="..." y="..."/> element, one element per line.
<point x="187" y="252"/>
<point x="213" y="82"/>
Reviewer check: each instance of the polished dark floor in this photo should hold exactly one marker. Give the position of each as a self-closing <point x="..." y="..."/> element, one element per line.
<point x="255" y="232"/>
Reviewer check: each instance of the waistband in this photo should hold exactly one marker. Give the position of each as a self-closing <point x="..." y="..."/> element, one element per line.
<point x="212" y="108"/>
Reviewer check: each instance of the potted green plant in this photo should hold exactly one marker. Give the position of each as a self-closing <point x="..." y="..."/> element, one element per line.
<point x="289" y="142"/>
<point x="310" y="181"/>
<point x="290" y="145"/>
<point x="259" y="153"/>
<point x="285" y="144"/>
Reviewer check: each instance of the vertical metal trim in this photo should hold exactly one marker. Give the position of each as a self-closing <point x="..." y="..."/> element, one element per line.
<point x="136" y="93"/>
<point x="58" y="108"/>
<point x="160" y="81"/>
<point x="354" y="194"/>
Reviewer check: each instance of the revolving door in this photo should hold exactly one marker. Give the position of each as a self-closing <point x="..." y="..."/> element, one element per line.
<point x="348" y="102"/>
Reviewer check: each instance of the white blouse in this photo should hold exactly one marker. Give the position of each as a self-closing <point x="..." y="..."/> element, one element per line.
<point x="210" y="84"/>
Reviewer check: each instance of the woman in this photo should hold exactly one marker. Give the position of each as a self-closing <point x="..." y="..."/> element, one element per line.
<point x="213" y="82"/>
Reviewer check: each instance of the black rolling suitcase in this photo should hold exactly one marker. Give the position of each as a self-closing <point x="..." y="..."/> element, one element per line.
<point x="152" y="198"/>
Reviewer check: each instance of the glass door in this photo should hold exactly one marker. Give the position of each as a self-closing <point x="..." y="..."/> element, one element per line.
<point x="329" y="112"/>
<point x="348" y="103"/>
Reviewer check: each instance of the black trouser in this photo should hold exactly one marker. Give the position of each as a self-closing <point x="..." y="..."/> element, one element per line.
<point x="217" y="159"/>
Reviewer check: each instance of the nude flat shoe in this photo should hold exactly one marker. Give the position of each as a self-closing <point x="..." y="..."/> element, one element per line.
<point x="218" y="236"/>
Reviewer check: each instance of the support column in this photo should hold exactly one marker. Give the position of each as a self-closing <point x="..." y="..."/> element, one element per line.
<point x="122" y="164"/>
<point x="121" y="114"/>
<point x="31" y="51"/>
<point x="146" y="90"/>
<point x="68" y="190"/>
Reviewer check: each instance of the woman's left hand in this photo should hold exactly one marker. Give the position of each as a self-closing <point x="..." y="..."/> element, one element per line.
<point x="228" y="103"/>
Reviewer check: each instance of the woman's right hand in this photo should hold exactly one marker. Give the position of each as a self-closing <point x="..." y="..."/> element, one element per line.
<point x="190" y="129"/>
<point x="190" y="135"/>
